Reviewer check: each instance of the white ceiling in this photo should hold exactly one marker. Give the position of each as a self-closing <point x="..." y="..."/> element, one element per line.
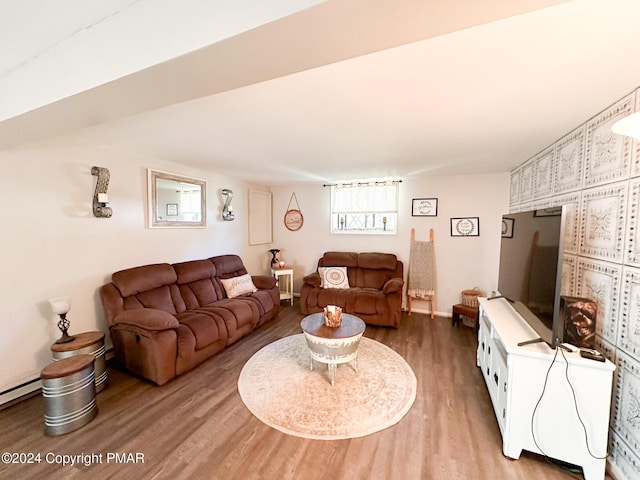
<point x="343" y="89"/>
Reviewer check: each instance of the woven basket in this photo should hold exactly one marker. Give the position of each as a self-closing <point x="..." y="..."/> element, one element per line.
<point x="470" y="297"/>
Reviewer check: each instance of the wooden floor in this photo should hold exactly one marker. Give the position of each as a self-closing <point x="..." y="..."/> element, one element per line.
<point x="196" y="426"/>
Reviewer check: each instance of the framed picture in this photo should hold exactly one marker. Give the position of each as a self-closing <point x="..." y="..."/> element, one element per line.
<point x="465" y="227"/>
<point x="507" y="227"/>
<point x="424" y="207"/>
<point x="172" y="209"/>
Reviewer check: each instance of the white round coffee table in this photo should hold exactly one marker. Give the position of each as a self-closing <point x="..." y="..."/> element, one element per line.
<point x="333" y="345"/>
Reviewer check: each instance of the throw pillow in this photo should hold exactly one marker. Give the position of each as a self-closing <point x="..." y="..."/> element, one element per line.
<point x="333" y="277"/>
<point x="237" y="286"/>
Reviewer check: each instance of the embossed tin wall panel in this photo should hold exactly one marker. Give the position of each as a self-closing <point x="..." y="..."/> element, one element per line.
<point x="572" y="220"/>
<point x="600" y="281"/>
<point x="626" y="418"/>
<point x="626" y="461"/>
<point x="543" y="173"/>
<point x="514" y="192"/>
<point x="632" y="249"/>
<point x="569" y="159"/>
<point x="568" y="279"/>
<point x="607" y="155"/>
<point x="526" y="182"/>
<point x="603" y="222"/>
<point x="629" y="328"/>
<point x="635" y="161"/>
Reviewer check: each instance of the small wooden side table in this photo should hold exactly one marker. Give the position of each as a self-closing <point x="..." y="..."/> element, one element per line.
<point x="465" y="311"/>
<point x="85" y="343"/>
<point x="287" y="273"/>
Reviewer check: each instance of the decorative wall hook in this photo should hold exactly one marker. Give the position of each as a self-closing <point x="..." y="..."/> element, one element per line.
<point x="100" y="199"/>
<point x="227" y="209"/>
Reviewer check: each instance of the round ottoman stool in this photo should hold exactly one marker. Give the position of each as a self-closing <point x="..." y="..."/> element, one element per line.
<point x="69" y="391"/>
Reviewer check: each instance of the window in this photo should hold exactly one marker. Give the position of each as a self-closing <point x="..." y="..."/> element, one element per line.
<point x="370" y="207"/>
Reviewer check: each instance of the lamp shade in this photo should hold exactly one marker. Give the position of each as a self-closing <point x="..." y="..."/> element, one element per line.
<point x="60" y="305"/>
<point x="629" y="126"/>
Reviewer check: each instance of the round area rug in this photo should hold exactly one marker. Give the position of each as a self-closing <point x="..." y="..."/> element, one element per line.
<point x="278" y="387"/>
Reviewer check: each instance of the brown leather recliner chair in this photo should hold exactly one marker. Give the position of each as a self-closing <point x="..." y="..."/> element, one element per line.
<point x="374" y="293"/>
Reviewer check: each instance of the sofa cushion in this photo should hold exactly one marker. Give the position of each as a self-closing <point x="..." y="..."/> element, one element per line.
<point x="339" y="259"/>
<point x="364" y="301"/>
<point x="195" y="280"/>
<point x="237" y="286"/>
<point x="377" y="261"/>
<point x="333" y="277"/>
<point x="207" y="328"/>
<point x="187" y="272"/>
<point x="142" y="279"/>
<point x="148" y="318"/>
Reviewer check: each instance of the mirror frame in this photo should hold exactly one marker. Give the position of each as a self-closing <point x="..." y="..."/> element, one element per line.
<point x="152" y="177"/>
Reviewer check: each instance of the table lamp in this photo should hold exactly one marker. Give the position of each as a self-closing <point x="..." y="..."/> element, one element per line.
<point x="61" y="306"/>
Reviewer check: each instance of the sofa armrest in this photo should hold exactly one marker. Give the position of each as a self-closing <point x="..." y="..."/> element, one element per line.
<point x="393" y="285"/>
<point x="147" y="318"/>
<point x="312" y="279"/>
<point x="263" y="282"/>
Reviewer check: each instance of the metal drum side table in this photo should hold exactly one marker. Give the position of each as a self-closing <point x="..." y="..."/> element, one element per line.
<point x="88" y="342"/>
<point x="333" y="345"/>
<point x="69" y="391"/>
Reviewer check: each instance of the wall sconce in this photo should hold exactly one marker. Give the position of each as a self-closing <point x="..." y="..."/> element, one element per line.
<point x="61" y="306"/>
<point x="100" y="199"/>
<point x="227" y="209"/>
<point x="628" y="126"/>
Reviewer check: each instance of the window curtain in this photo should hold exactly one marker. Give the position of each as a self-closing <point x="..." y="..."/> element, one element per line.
<point x="378" y="197"/>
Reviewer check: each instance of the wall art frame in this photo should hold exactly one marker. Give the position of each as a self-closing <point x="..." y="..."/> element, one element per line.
<point x="424" y="207"/>
<point x="465" y="227"/>
<point x="507" y="227"/>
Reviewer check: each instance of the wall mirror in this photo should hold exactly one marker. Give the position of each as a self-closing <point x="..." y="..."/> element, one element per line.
<point x="176" y="201"/>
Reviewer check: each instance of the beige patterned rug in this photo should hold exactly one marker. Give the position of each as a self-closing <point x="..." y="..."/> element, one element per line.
<point x="278" y="387"/>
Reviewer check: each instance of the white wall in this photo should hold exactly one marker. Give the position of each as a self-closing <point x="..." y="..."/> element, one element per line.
<point x="461" y="262"/>
<point x="52" y="245"/>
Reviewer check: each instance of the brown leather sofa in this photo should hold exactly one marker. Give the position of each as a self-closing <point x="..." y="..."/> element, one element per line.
<point x="375" y="287"/>
<point x="166" y="319"/>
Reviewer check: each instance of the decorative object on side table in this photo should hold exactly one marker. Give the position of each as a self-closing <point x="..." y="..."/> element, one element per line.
<point x="275" y="263"/>
<point x="61" y="306"/>
<point x="332" y="316"/>
<point x="579" y="316"/>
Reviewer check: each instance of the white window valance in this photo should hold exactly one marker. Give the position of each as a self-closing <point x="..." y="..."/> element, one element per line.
<point x="373" y="197"/>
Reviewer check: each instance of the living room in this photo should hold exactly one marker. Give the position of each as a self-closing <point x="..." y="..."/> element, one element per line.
<point x="54" y="246"/>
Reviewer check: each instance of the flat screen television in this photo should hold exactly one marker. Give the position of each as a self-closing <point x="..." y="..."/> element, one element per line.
<point x="530" y="273"/>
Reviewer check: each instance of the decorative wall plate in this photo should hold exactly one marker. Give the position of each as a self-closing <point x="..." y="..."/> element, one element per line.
<point x="293" y="220"/>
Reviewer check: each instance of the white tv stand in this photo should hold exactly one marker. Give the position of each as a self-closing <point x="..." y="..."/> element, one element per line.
<point x="515" y="378"/>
